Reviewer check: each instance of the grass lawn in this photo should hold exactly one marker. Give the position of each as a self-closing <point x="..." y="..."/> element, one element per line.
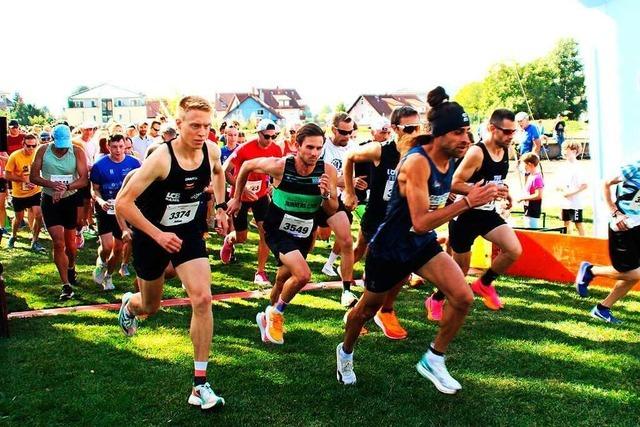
<point x="540" y="361"/>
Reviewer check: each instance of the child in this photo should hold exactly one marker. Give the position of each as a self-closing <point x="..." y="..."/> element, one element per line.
<point x="533" y="186"/>
<point x="573" y="183"/>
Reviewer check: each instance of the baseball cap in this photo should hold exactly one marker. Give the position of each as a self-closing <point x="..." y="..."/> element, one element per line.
<point x="45" y="136"/>
<point x="521" y="116"/>
<point x="266" y="124"/>
<point x="89" y="124"/>
<point x="381" y="124"/>
<point x="14" y="124"/>
<point x="62" y="136"/>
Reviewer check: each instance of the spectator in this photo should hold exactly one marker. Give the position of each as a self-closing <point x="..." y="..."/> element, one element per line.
<point x="559" y="130"/>
<point x="289" y="145"/>
<point x="572" y="184"/>
<point x="168" y="132"/>
<point x="142" y="141"/>
<point x="241" y="138"/>
<point x="132" y="131"/>
<point x="15" y="137"/>
<point x="534" y="185"/>
<point x="154" y="131"/>
<point x="531" y="141"/>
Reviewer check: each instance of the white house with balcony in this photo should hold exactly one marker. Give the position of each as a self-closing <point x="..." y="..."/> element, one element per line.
<point x="104" y="104"/>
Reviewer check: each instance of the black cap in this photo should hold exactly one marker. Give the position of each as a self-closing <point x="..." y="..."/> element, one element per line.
<point x="14" y="123"/>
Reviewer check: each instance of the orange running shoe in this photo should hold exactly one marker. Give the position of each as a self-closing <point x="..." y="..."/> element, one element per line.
<point x="275" y="326"/>
<point x="489" y="295"/>
<point x="390" y="326"/>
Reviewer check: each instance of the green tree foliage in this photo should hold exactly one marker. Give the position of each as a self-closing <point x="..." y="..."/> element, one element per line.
<point x="341" y="108"/>
<point x="544" y="87"/>
<point x="24" y="112"/>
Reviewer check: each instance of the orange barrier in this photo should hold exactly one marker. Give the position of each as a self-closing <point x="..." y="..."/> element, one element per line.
<point x="556" y="257"/>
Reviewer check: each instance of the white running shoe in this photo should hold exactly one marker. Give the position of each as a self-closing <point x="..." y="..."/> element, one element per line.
<point x="128" y="324"/>
<point x="328" y="270"/>
<point x="432" y="367"/>
<point x="348" y="299"/>
<point x="261" y="320"/>
<point x="204" y="397"/>
<point x="107" y="284"/>
<point x="99" y="272"/>
<point x="124" y="270"/>
<point x="344" y="370"/>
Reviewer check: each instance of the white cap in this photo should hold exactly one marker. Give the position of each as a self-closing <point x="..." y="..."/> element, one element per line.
<point x="265" y="124"/>
<point x="522" y="116"/>
<point x="381" y="123"/>
<point x="89" y="124"/>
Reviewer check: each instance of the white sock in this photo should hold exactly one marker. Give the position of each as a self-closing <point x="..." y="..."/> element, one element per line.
<point x="332" y="258"/>
<point x="200" y="366"/>
<point x="344" y="355"/>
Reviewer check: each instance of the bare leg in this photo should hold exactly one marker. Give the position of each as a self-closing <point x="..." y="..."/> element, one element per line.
<point x="364" y="310"/>
<point x="263" y="249"/>
<point x="339" y="223"/>
<point x="57" y="234"/>
<point x="510" y="249"/>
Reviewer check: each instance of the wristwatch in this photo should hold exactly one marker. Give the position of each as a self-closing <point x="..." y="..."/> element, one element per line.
<point x="222" y="205"/>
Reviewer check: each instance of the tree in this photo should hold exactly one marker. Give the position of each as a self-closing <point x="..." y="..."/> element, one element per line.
<point x="23" y="112"/>
<point x="569" y="82"/>
<point x="340" y="108"/>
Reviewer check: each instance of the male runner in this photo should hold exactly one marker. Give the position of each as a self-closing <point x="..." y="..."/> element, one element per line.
<point x="303" y="184"/>
<point x="161" y="201"/>
<point x="406" y="242"/>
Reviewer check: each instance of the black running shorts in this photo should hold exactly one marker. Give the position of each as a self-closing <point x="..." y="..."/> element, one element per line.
<point x="258" y="207"/>
<point x="573" y="215"/>
<point x="281" y="242"/>
<point x="469" y="225"/>
<point x="624" y="249"/>
<point x="150" y="259"/>
<point x="63" y="213"/>
<point x="107" y="223"/>
<point x="322" y="217"/>
<point x="22" y="203"/>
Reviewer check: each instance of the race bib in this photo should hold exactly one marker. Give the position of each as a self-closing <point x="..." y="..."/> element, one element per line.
<point x="179" y="214"/>
<point x="112" y="207"/>
<point x="388" y="189"/>
<point x="65" y="179"/>
<point x="295" y="226"/>
<point x="254" y="186"/>
<point x="635" y="202"/>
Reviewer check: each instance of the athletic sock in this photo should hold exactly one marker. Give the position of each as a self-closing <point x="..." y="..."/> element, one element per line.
<point x="332" y="258"/>
<point x="435" y="352"/>
<point x="345" y="355"/>
<point x="438" y="295"/>
<point x="488" y="277"/>
<point x="281" y="305"/>
<point x="346" y="285"/>
<point x="589" y="267"/>
<point x="199" y="372"/>
<point x="602" y="307"/>
<point x="71" y="274"/>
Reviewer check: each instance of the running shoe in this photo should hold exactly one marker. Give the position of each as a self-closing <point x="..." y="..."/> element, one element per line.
<point x="261" y="278"/>
<point x="584" y="278"/>
<point x="227" y="250"/>
<point x="67" y="293"/>
<point x="432" y="367"/>
<point x="124" y="270"/>
<point x="344" y="368"/>
<point x="348" y="299"/>
<point x="275" y="325"/>
<point x="37" y="247"/>
<point x="204" y="397"/>
<point x="107" y="284"/>
<point x="604" y="314"/>
<point x="390" y="325"/>
<point x="79" y="240"/>
<point x="328" y="270"/>
<point x="489" y="295"/>
<point x="11" y="243"/>
<point x="128" y="324"/>
<point x="99" y="271"/>
<point x="261" y="320"/>
<point x="434" y="308"/>
<point x="416" y="281"/>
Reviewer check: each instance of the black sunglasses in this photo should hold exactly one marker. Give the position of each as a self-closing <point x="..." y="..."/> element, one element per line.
<point x="344" y="132"/>
<point x="268" y="137"/>
<point x="506" y="131"/>
<point x="31" y="146"/>
<point x="292" y="131"/>
<point x="408" y="128"/>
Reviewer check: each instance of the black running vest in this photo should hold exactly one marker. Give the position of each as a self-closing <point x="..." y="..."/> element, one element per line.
<point x="383" y="179"/>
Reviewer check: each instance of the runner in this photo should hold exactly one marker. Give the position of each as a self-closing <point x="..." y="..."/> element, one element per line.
<point x="303" y="184"/>
<point x="485" y="162"/>
<point x="334" y="152"/>
<point x="25" y="195"/>
<point x="406" y="242"/>
<point x="60" y="168"/>
<point x="624" y="243"/>
<point x="107" y="175"/>
<point x="90" y="148"/>
<point x="385" y="155"/>
<point x="160" y="201"/>
<point x="255" y="196"/>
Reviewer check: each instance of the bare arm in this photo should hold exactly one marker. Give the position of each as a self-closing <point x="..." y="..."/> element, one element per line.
<point x="580" y="188"/>
<point x="328" y="186"/>
<point x="471" y="163"/>
<point x="367" y="153"/>
<point x="608" y="198"/>
<point x="218" y="183"/>
<point x="273" y="166"/>
<point x="81" y="169"/>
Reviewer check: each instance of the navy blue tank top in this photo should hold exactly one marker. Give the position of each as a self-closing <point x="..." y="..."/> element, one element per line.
<point x="395" y="238"/>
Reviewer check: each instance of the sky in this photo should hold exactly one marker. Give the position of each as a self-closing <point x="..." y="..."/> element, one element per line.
<point x="330" y="51"/>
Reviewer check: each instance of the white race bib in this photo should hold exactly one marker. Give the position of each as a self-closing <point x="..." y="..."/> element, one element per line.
<point x="65" y="179"/>
<point x="388" y="189"/>
<point x="112" y="207"/>
<point x="295" y="226"/>
<point x="179" y="214"/>
<point x="254" y="186"/>
<point x="635" y="202"/>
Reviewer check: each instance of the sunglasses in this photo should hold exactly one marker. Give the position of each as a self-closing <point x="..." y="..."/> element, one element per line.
<point x="268" y="137"/>
<point x="31" y="146"/>
<point x="292" y="131"/>
<point x="156" y="129"/>
<point x="344" y="132"/>
<point x="506" y="131"/>
<point x="411" y="128"/>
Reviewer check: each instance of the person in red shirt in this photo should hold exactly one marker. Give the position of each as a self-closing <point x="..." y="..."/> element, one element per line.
<point x="15" y="138"/>
<point x="255" y="195"/>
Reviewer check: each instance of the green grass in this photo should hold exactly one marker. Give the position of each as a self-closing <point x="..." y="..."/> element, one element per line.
<point x="541" y="361"/>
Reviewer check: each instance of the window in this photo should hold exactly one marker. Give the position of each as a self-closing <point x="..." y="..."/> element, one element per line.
<point x="93" y="104"/>
<point x="119" y="103"/>
<point x="284" y="103"/>
<point x="260" y="112"/>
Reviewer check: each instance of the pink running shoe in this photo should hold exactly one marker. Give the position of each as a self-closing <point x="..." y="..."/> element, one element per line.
<point x="489" y="295"/>
<point x="434" y="308"/>
<point x="226" y="252"/>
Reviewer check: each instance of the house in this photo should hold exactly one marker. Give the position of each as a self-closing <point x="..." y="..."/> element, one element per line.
<point x="369" y="108"/>
<point x="105" y="103"/>
<point x="5" y="101"/>
<point x="284" y="105"/>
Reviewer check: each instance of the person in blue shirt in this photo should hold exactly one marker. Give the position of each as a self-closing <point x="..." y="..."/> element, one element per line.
<point x="106" y="178"/>
<point x="531" y="142"/>
<point x="624" y="242"/>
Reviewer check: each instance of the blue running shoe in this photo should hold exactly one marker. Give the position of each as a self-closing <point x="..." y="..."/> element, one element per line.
<point x="583" y="278"/>
<point x="604" y="314"/>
